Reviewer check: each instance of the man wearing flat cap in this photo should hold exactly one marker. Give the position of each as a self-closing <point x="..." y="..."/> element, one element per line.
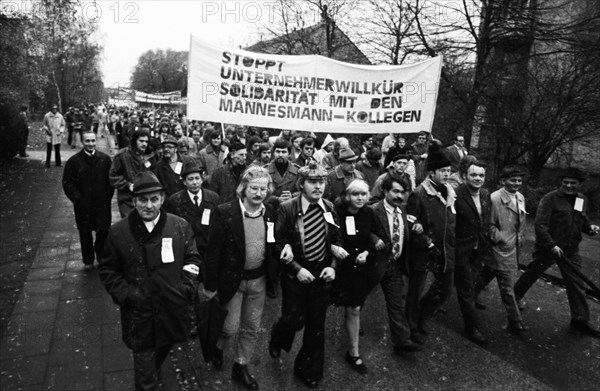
<point x="307" y="232"/>
<point x="431" y="215"/>
<point x="168" y="170"/>
<point x="397" y="170"/>
<point x="560" y="219"/>
<point x="150" y="267"/>
<point x="342" y="174"/>
<point x="225" y="179"/>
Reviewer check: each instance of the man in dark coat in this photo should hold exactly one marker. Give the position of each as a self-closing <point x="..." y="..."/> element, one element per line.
<point x="392" y="262"/>
<point x="242" y="247"/>
<point x="342" y="174"/>
<point x="150" y="267"/>
<point x="195" y="204"/>
<point x="127" y="164"/>
<point x="85" y="183"/>
<point x="560" y="219"/>
<point x="431" y="211"/>
<point x="473" y="210"/>
<point x="307" y="232"/>
<point x="168" y="169"/>
<point x="225" y="179"/>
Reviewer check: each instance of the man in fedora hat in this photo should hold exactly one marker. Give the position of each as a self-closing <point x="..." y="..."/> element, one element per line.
<point x="342" y="174"/>
<point x="560" y="219"/>
<point x="150" y="267"/>
<point x="169" y="169"/>
<point x="431" y="213"/>
<point x="307" y="232"/>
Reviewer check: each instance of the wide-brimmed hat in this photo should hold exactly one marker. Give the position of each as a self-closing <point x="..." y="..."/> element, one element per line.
<point x="312" y="171"/>
<point x="347" y="155"/>
<point x="191" y="167"/>
<point x="576" y="173"/>
<point x="436" y="159"/>
<point x="146" y="182"/>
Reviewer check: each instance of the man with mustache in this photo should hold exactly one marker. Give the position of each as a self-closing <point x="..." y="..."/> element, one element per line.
<point x="242" y="246"/>
<point x="308" y="234"/>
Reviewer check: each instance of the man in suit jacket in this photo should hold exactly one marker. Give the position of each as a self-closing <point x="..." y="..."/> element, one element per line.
<point x="473" y="209"/>
<point x="194" y="204"/>
<point x="242" y="240"/>
<point x="85" y="182"/>
<point x="392" y="262"/>
<point x="456" y="152"/>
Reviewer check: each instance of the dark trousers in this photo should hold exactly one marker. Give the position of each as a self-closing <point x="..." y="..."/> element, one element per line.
<point x="463" y="280"/>
<point x="419" y="310"/>
<point x="89" y="249"/>
<point x="303" y="305"/>
<point x="542" y="260"/>
<point x="505" y="284"/>
<point x="392" y="286"/>
<point x="56" y="154"/>
<point x="146" y="367"/>
<point x="70" y="135"/>
<point x="23" y="144"/>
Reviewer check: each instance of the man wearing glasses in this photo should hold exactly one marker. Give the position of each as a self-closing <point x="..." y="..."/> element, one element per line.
<point x="456" y="152"/>
<point x="242" y="239"/>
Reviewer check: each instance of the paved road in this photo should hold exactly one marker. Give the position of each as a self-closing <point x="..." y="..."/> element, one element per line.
<point x="64" y="335"/>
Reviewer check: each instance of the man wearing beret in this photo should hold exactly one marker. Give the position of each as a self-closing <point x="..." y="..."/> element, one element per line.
<point x="560" y="219"/>
<point x="168" y="170"/>
<point x="150" y="268"/>
<point x="397" y="170"/>
<point x="307" y="232"/>
<point x="432" y="215"/>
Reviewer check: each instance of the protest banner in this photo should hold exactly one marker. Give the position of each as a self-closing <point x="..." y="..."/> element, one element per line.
<point x="311" y="93"/>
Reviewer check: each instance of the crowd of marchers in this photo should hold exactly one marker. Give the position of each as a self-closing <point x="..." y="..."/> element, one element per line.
<point x="236" y="214"/>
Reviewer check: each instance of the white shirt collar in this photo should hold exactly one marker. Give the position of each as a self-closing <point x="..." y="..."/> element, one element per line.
<point x="151" y="224"/>
<point x="88" y="153"/>
<point x="192" y="195"/>
<point x="305" y="204"/>
<point x="390" y="208"/>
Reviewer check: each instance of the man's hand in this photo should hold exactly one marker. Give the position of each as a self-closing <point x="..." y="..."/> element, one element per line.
<point x="417" y="228"/>
<point x="380" y="245"/>
<point x="287" y="254"/>
<point x="328" y="274"/>
<point x="595" y="230"/>
<point x="304" y="276"/>
<point x="361" y="259"/>
<point x="557" y="251"/>
<point x="339" y="252"/>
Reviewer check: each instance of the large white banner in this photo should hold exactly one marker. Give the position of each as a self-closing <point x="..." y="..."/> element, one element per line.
<point x="312" y="93"/>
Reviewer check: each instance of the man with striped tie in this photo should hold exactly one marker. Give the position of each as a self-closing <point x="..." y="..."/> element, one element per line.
<point x="307" y="232"/>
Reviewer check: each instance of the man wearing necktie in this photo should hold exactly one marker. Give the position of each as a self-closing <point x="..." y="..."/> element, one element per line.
<point x="308" y="234"/>
<point x="392" y="259"/>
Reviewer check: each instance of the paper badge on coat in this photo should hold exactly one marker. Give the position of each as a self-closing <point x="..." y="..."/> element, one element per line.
<point x="166" y="251"/>
<point x="270" y="232"/>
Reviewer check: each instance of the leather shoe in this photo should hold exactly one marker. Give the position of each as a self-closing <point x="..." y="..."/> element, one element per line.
<point x="417" y="337"/>
<point x="217" y="360"/>
<point x="475" y="336"/>
<point x="274" y="350"/>
<point x="240" y="374"/>
<point x="353" y="361"/>
<point x="408" y="348"/>
<point x="310" y="383"/>
<point x="517" y="327"/>
<point x="585" y="327"/>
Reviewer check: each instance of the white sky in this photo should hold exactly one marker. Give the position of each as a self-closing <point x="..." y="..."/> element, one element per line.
<point x="139" y="26"/>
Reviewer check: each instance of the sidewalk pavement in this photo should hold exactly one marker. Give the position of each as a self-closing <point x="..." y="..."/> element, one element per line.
<point x="64" y="334"/>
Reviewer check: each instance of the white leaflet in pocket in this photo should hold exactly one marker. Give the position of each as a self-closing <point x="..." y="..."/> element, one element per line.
<point x="178" y="167"/>
<point x="578" y="204"/>
<point x="205" y="217"/>
<point x="350" y="226"/>
<point x="270" y="232"/>
<point x="166" y="251"/>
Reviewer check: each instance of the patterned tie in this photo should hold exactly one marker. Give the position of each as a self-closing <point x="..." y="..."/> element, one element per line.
<point x="314" y="234"/>
<point x="396" y="234"/>
<point x="196" y="200"/>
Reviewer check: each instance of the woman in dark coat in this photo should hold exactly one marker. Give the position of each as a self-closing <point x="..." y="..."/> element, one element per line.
<point x="359" y="231"/>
